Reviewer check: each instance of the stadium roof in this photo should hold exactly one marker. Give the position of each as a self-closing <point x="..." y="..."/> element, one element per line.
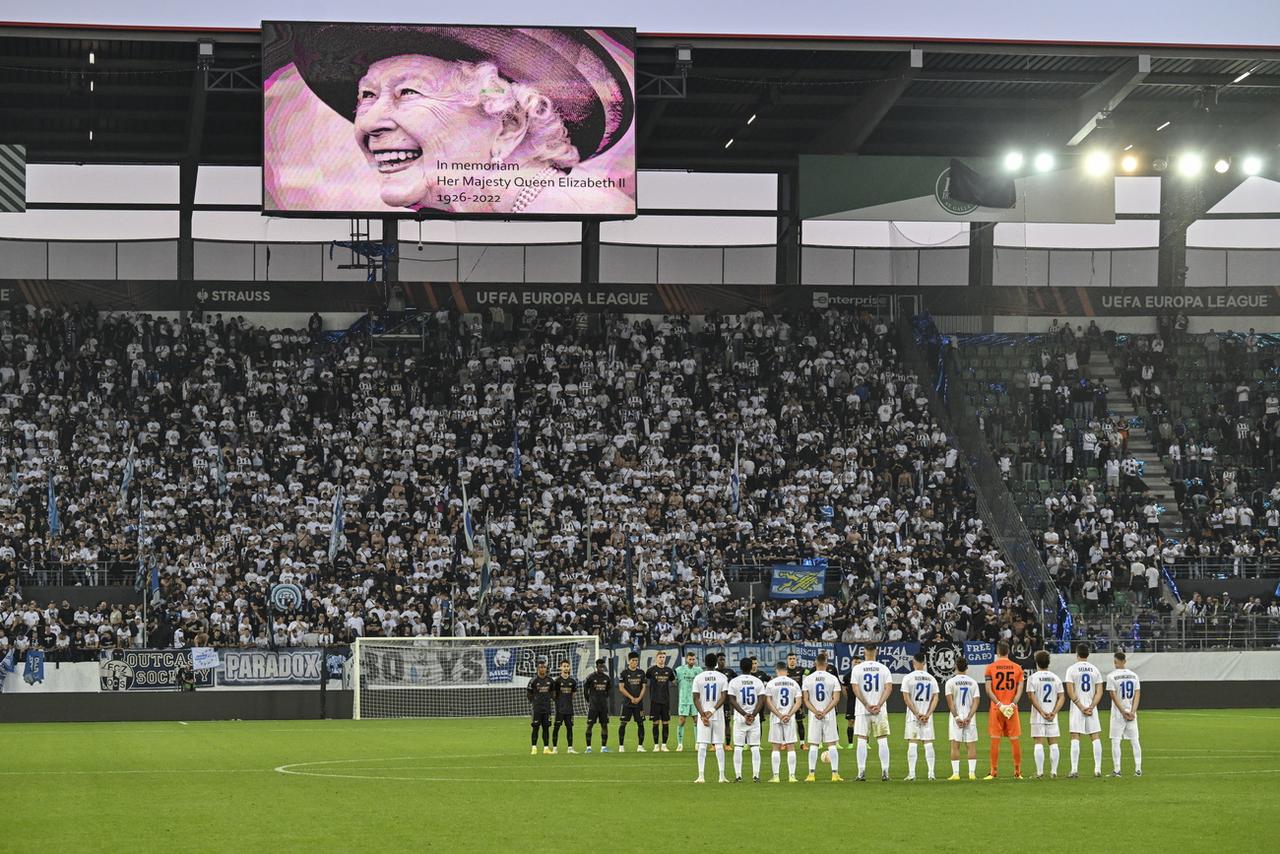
<point x="142" y="97"/>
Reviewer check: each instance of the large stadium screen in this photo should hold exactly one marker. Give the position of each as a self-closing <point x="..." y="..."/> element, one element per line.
<point x="448" y="121"/>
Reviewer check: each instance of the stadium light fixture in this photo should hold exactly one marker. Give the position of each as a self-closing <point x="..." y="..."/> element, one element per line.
<point x="90" y="85"/>
<point x="1190" y="165"/>
<point x="729" y="143"/>
<point x="1163" y="126"/>
<point x="1241" y="77"/>
<point x="752" y="119"/>
<point x="1097" y="163"/>
<point x="92" y="58"/>
<point x="1129" y="147"/>
<point x="91" y="136"/>
<point x="1221" y="165"/>
<point x="1044" y="161"/>
<point x="1129" y="163"/>
<point x="1251" y="165"/>
<point x="1013" y="161"/>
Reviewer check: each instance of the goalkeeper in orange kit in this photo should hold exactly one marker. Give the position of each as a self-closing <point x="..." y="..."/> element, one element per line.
<point x="1004" y="688"/>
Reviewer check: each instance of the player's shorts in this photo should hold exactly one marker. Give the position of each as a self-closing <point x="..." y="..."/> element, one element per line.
<point x="998" y="726"/>
<point x="780" y="733"/>
<point x="965" y="735"/>
<point x="1120" y="728"/>
<point x="916" y="731"/>
<point x="540" y="718"/>
<point x="872" y="726"/>
<point x="745" y="735"/>
<point x="687" y="709"/>
<point x="1081" y="724"/>
<point x="564" y="718"/>
<point x="660" y="711"/>
<point x="632" y="713"/>
<point x="712" y="733"/>
<point x="597" y="714"/>
<point x="823" y="731"/>
<point x="1040" y="728"/>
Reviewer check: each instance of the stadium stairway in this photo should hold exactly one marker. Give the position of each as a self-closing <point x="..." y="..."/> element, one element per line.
<point x="1154" y="473"/>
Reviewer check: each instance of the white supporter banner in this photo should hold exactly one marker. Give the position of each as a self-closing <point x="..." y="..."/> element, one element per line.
<point x="204" y="658"/>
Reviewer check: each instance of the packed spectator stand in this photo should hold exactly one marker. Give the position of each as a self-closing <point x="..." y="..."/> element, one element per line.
<point x="1146" y="463"/>
<point x="597" y="455"/>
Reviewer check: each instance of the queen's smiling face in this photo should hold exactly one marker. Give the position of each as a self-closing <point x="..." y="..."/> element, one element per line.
<point x="409" y="117"/>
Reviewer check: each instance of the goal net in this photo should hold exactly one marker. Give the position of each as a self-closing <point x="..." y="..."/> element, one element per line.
<point x="460" y="677"/>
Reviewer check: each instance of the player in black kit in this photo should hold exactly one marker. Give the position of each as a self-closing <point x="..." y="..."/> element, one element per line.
<point x="540" y="691"/>
<point x="723" y="666"/>
<point x="598" y="687"/>
<point x="661" y="678"/>
<point x="632" y="686"/>
<point x="796" y="672"/>
<point x="850" y="702"/>
<point x="566" y="687"/>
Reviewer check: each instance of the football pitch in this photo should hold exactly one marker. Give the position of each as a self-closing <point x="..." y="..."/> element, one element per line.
<point x="1211" y="782"/>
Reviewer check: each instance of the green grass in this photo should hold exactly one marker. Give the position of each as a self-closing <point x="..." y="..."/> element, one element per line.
<point x="1211" y="782"/>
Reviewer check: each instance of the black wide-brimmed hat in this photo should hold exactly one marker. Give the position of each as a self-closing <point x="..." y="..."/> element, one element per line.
<point x="571" y="67"/>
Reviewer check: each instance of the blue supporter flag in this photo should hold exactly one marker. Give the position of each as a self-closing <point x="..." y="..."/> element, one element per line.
<point x="33" y="671"/>
<point x="516" y="463"/>
<point x="795" y="581"/>
<point x="127" y="477"/>
<point x="140" y="581"/>
<point x="337" y="522"/>
<point x="468" y="528"/>
<point x="155" y="584"/>
<point x="222" y="474"/>
<point x="55" y="525"/>
<point x="735" y="480"/>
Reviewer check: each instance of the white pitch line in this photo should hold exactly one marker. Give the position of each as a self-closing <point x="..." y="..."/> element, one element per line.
<point x="143" y="771"/>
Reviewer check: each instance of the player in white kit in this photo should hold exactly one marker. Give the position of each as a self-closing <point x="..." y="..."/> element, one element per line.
<point x="1126" y="690"/>
<point x="1084" y="689"/>
<point x="920" y="694"/>
<point x="710" y="690"/>
<point x="821" y="691"/>
<point x="746" y="695"/>
<point x="782" y="696"/>
<point x="1044" y="689"/>
<point x="962" y="726"/>
<point x="872" y="684"/>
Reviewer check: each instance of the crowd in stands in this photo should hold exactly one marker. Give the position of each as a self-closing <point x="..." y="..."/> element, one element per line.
<point x="616" y="474"/>
<point x="1212" y="413"/>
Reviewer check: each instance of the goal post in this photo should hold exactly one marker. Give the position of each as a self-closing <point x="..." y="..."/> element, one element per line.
<point x="432" y="677"/>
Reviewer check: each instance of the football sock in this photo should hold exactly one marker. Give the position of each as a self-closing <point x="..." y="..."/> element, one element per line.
<point x="1115" y="755"/>
<point x="640" y="734"/>
<point x="848" y="734"/>
<point x="702" y="758"/>
<point x="622" y="733"/>
<point x="862" y="756"/>
<point x="1017" y="755"/>
<point x="533" y="738"/>
<point x="973" y="767"/>
<point x="546" y="734"/>
<point x="568" y="734"/>
<point x="929" y="756"/>
<point x="588" y="735"/>
<point x="1038" y="752"/>
<point x="776" y="759"/>
<point x="755" y="760"/>
<point x="680" y="735"/>
<point x="995" y="755"/>
<point x="604" y="736"/>
<point x="955" y="767"/>
<point x="913" y="750"/>
<point x="1054" y="753"/>
<point x="555" y="734"/>
<point x="1075" y="755"/>
<point x="1097" y="756"/>
<point x="666" y="733"/>
<point x="720" y="761"/>
<point x="833" y="753"/>
<point x="813" y="758"/>
<point x="883" y="745"/>
<point x="737" y="762"/>
<point x="1137" y="753"/>
<point x="792" y="758"/>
